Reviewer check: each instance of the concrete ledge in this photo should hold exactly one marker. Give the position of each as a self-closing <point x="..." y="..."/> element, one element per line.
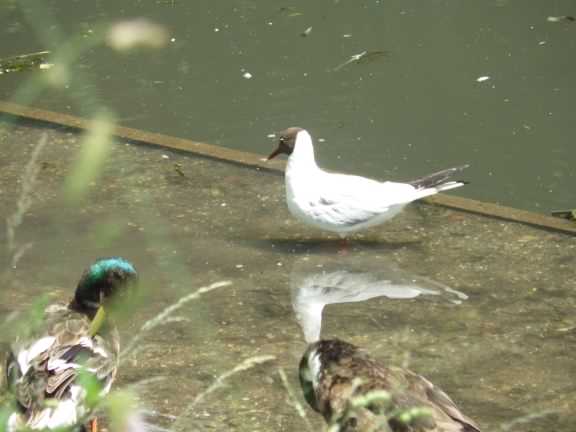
<point x="142" y="137"/>
<point x="503" y="212"/>
<point x="255" y="161"/>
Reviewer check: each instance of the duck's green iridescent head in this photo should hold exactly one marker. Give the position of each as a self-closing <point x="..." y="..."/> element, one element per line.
<point x="105" y="280"/>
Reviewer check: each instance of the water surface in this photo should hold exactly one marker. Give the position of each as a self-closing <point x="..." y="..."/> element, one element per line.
<point x="415" y="108"/>
<point x="503" y="351"/>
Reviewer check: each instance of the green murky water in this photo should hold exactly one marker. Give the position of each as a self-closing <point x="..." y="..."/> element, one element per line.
<point x="489" y="313"/>
<point x="416" y="108"/>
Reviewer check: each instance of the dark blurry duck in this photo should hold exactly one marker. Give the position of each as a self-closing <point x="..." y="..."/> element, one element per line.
<point x="42" y="370"/>
<point x="353" y="391"/>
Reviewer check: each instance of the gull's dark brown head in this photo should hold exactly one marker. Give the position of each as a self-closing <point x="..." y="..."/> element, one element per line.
<point x="286" y="142"/>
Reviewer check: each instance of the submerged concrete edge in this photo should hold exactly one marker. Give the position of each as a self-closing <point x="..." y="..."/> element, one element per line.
<point x="502" y="212"/>
<point x="138" y="136"/>
<point x="256" y="161"/>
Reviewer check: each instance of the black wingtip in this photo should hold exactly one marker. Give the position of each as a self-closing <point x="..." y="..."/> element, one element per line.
<point x="438" y="178"/>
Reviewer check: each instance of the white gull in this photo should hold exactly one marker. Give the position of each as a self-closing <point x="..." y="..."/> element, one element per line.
<point x="346" y="203"/>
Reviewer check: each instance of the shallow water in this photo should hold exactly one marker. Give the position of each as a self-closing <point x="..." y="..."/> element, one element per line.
<point x="416" y="108"/>
<point x="500" y="341"/>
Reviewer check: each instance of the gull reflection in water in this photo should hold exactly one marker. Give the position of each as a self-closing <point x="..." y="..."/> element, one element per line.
<point x="315" y="284"/>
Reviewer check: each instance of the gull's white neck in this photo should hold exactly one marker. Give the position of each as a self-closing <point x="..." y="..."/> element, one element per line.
<point x="302" y="158"/>
<point x="309" y="316"/>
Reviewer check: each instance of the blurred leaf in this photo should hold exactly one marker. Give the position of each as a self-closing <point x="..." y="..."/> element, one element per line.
<point x="91" y="385"/>
<point x="416" y="416"/>
<point x="6" y="409"/>
<point x="370" y="398"/>
<point x="95" y="149"/>
<point x="105" y="233"/>
<point x="120" y="405"/>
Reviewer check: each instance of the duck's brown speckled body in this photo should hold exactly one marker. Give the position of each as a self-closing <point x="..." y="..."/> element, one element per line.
<point x="333" y="373"/>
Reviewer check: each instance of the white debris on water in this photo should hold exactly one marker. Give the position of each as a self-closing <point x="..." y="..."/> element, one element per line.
<point x="136" y="33"/>
<point x="560" y="18"/>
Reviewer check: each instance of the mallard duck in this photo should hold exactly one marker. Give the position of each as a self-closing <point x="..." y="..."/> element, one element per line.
<point x="357" y="393"/>
<point x="43" y="371"/>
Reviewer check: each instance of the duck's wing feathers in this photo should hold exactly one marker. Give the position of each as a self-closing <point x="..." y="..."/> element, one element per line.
<point x="441" y="400"/>
<point x="414" y="390"/>
<point x="408" y="390"/>
<point x="47" y="367"/>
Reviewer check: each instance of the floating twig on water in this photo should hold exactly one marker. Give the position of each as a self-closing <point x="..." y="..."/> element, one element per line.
<point x="561" y="18"/>
<point x="25" y="62"/>
<point x="565" y="214"/>
<point x="306" y="32"/>
<point x="362" y="58"/>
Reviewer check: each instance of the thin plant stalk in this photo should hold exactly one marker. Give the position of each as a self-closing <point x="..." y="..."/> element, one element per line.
<point x="164" y="316"/>
<point x="293" y="401"/>
<point x="23" y="204"/>
<point x="219" y="382"/>
<point x="528" y="418"/>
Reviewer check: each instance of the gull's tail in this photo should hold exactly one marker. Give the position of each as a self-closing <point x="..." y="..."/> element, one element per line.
<point x="439" y="181"/>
